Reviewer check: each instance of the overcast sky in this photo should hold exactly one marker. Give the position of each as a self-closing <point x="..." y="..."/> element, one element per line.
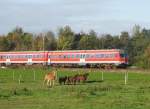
<point x="104" y="16"/>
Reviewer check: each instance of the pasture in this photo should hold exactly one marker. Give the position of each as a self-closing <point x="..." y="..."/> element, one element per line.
<point x="22" y="88"/>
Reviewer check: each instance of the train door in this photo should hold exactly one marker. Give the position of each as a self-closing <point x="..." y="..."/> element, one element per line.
<point x="49" y="58"/>
<point x="82" y="59"/>
<point x="8" y="60"/>
<point x="29" y="59"/>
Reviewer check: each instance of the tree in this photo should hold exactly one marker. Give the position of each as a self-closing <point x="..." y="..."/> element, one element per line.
<point x="15" y="40"/>
<point x="144" y="60"/>
<point x="107" y="41"/>
<point x="38" y="42"/>
<point x="27" y="39"/>
<point x="77" y="38"/>
<point x="124" y="40"/>
<point x="4" y="44"/>
<point x="89" y="41"/>
<point x="50" y="41"/>
<point x="65" y="38"/>
<point x="136" y="31"/>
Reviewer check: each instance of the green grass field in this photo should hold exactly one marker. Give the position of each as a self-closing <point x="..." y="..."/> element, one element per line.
<point x="111" y="93"/>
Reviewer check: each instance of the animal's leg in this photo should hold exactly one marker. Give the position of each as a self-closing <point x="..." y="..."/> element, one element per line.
<point x="47" y="82"/>
<point x="50" y="83"/>
<point x="53" y="82"/>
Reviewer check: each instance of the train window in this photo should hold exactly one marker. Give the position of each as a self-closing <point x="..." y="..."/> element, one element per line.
<point x="122" y="55"/>
<point x="87" y="56"/>
<point x="102" y="56"/>
<point x="19" y="56"/>
<point x="81" y="56"/>
<point x="34" y="56"/>
<point x="72" y="56"/>
<point x="40" y="56"/>
<point x="29" y="56"/>
<point x="68" y="56"/>
<point x="112" y="55"/>
<point x="1" y="57"/>
<point x="55" y="56"/>
<point x="52" y="56"/>
<point x="106" y="56"/>
<point x="84" y="56"/>
<point x="77" y="56"/>
<point x="65" y="56"/>
<point x="91" y="56"/>
<point x="62" y="56"/>
<point x="59" y="56"/>
<point x="7" y="57"/>
<point x="37" y="56"/>
<point x="23" y="56"/>
<point x="26" y="56"/>
<point x="98" y="56"/>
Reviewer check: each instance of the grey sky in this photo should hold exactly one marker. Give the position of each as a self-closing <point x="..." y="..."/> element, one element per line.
<point x="104" y="16"/>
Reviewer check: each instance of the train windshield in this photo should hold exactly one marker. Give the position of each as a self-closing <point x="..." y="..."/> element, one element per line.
<point x="123" y="55"/>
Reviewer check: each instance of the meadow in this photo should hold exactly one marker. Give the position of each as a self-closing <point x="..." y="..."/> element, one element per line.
<point x="22" y="88"/>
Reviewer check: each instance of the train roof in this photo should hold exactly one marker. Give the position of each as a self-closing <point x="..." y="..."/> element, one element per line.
<point x="100" y="50"/>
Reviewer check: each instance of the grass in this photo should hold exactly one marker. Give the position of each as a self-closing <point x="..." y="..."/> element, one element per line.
<point x="95" y="94"/>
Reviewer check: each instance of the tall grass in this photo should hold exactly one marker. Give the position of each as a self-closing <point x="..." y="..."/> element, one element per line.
<point x="94" y="94"/>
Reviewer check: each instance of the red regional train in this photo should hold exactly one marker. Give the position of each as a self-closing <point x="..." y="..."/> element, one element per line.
<point x="99" y="58"/>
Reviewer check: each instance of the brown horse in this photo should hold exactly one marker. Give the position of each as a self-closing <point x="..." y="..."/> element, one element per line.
<point x="63" y="80"/>
<point x="72" y="79"/>
<point x="50" y="78"/>
<point x="82" y="78"/>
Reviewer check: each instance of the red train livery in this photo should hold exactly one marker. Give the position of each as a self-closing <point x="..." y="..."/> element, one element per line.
<point x="72" y="57"/>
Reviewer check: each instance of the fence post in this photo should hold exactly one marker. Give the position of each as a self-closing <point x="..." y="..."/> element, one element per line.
<point x="13" y="76"/>
<point x="126" y="78"/>
<point x="34" y="75"/>
<point x="20" y="76"/>
<point x="102" y="76"/>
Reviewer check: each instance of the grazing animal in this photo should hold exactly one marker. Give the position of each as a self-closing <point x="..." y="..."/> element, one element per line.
<point x="72" y="79"/>
<point x="50" y="78"/>
<point x="82" y="78"/>
<point x="63" y="80"/>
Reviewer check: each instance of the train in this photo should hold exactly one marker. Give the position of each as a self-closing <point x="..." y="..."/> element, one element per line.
<point x="73" y="58"/>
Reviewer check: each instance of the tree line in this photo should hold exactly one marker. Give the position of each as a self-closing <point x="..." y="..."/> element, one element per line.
<point x="136" y="45"/>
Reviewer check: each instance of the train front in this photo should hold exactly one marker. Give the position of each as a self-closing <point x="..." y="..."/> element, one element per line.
<point x="123" y="59"/>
